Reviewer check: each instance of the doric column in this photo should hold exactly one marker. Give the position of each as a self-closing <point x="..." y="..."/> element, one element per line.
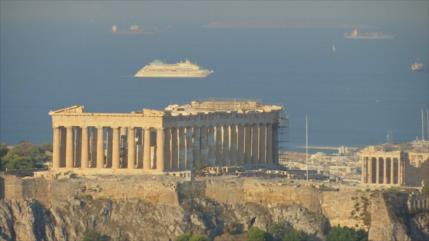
<point x="181" y="148"/>
<point x="196" y="146"/>
<point x="84" y="148"/>
<point x="188" y="145"/>
<point x="377" y="171"/>
<point x="174" y="149"/>
<point x="160" y="149"/>
<point x="233" y="150"/>
<point x="384" y="170"/>
<point x="392" y="171"/>
<point x="399" y="172"/>
<point x="168" y="152"/>
<point x="262" y="131"/>
<point x="204" y="146"/>
<point x="146" y="149"/>
<point x="69" y="147"/>
<point x="269" y="143"/>
<point x="115" y="148"/>
<point x="211" y="146"/>
<point x="363" y="161"/>
<point x="100" y="148"/>
<point x="255" y="146"/>
<point x="131" y="148"/>
<point x="247" y="144"/>
<point x="225" y="145"/>
<point x="218" y="140"/>
<point x="240" y="144"/>
<point x="56" y="148"/>
<point x="370" y="170"/>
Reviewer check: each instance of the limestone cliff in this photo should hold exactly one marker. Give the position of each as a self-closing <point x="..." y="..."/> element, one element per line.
<point x="135" y="208"/>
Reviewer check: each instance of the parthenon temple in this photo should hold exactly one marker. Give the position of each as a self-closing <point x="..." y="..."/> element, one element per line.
<point x="178" y="138"/>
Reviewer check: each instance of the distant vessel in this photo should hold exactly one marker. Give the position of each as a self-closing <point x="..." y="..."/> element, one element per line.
<point x="334" y="49"/>
<point x="184" y="69"/>
<point x="416" y="66"/>
<point x="355" y="34"/>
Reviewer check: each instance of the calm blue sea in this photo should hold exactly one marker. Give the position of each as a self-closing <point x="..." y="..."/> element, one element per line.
<point x="354" y="96"/>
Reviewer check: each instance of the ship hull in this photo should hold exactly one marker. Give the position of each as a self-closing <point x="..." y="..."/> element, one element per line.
<point x="172" y="75"/>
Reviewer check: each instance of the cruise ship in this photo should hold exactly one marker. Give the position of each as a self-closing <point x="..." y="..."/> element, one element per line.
<point x="355" y="34"/>
<point x="183" y="69"/>
<point x="416" y="66"/>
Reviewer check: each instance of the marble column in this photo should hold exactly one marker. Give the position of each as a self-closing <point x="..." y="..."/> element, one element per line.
<point x="225" y="145"/>
<point x="269" y="144"/>
<point x="100" y="148"/>
<point x="204" y="146"/>
<point x="363" y="169"/>
<point x="218" y="140"/>
<point x="174" y="149"/>
<point x="115" y="148"/>
<point x="69" y="147"/>
<point x="399" y="172"/>
<point x="370" y="170"/>
<point x="262" y="143"/>
<point x="196" y="146"/>
<point x="211" y="146"/>
<point x="377" y="171"/>
<point x="160" y="149"/>
<point x="188" y="146"/>
<point x="56" y="147"/>
<point x="240" y="144"/>
<point x="84" y="148"/>
<point x="384" y="170"/>
<point x="392" y="171"/>
<point x="131" y="148"/>
<point x="146" y="149"/>
<point x="255" y="145"/>
<point x="247" y="144"/>
<point x="167" y="150"/>
<point x="233" y="144"/>
<point x="181" y="148"/>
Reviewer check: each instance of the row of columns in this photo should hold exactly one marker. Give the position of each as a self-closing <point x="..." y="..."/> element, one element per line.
<point x="380" y="170"/>
<point x="166" y="149"/>
<point x="77" y="148"/>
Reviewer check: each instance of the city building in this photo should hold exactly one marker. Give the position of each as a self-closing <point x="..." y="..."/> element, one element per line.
<point x="178" y="138"/>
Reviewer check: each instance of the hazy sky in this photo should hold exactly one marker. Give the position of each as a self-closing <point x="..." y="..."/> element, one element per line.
<point x="174" y="12"/>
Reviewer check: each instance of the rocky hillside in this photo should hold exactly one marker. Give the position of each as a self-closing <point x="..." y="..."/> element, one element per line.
<point x="201" y="207"/>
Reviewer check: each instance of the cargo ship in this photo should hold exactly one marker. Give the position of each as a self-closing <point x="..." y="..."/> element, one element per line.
<point x="183" y="69"/>
<point x="355" y="34"/>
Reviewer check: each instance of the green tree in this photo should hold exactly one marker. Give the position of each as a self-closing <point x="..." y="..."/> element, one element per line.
<point x="3" y="152"/>
<point x="24" y="155"/>
<point x="346" y="234"/>
<point x="198" y="237"/>
<point x="184" y="237"/>
<point x="294" y="235"/>
<point x="256" y="234"/>
<point x="93" y="235"/>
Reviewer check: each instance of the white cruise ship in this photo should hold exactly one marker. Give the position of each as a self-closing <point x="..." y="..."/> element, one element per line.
<point x="184" y="69"/>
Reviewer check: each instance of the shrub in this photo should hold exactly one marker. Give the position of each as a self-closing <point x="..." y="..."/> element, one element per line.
<point x="294" y="235"/>
<point x="346" y="234"/>
<point x="93" y="235"/>
<point x="279" y="230"/>
<point x="198" y="237"/>
<point x="256" y="234"/>
<point x="184" y="237"/>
